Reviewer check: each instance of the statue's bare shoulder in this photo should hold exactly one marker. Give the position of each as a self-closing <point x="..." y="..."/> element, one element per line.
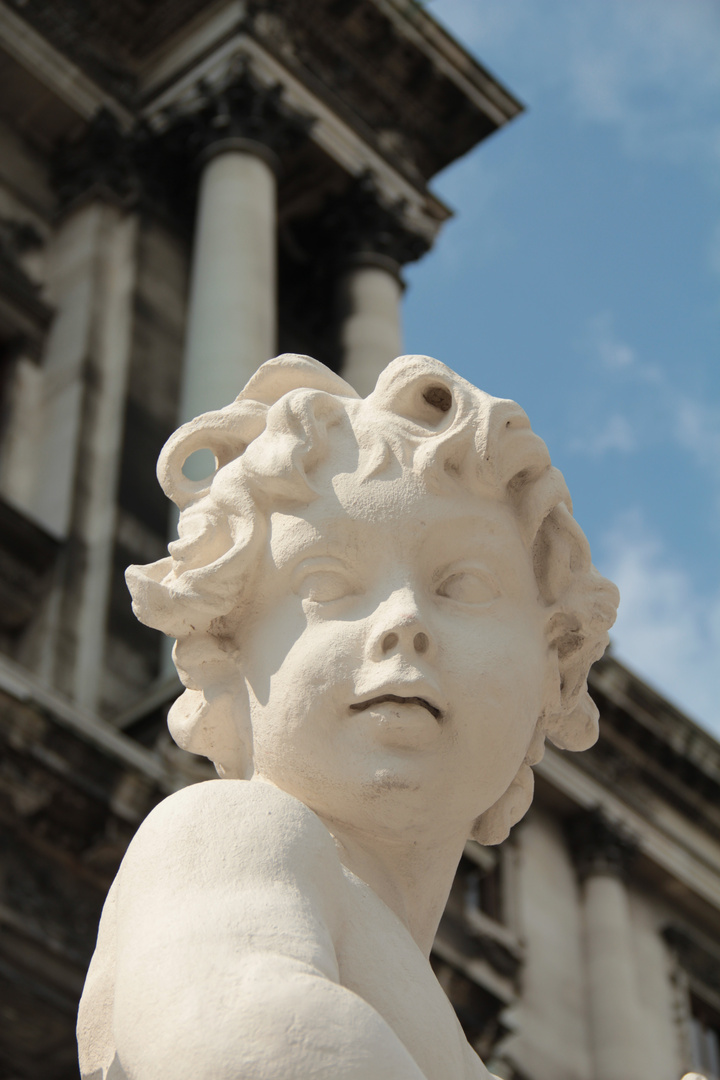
<point x="216" y="835"/>
<point x="214" y="861"/>
<point x="238" y="886"/>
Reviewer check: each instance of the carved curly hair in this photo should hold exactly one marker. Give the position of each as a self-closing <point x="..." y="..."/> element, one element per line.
<point x="268" y="446"/>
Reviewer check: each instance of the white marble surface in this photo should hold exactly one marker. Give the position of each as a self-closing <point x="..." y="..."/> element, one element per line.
<point x="382" y="607"/>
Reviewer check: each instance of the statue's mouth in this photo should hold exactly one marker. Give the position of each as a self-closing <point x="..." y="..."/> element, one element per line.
<point x="360" y="706"/>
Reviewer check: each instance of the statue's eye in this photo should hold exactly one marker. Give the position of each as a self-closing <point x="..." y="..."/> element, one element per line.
<point x="322" y="586"/>
<point x="468" y="587"/>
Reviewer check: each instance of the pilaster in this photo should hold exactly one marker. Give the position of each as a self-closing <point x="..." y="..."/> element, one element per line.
<point x="91" y="264"/>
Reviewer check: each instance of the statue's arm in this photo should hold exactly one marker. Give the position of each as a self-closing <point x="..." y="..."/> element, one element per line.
<point x="229" y="903"/>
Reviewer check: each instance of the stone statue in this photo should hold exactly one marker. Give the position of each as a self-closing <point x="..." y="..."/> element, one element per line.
<point x="382" y="607"/>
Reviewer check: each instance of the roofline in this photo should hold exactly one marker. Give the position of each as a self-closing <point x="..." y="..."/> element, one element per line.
<point x="474" y="79"/>
<point x="683" y="735"/>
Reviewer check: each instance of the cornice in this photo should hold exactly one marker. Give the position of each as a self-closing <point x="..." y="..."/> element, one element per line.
<point x="388" y="68"/>
<point x="668" y="752"/>
<point x="678" y="850"/>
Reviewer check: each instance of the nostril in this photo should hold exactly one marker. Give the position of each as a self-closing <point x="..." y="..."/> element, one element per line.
<point x="421" y="642"/>
<point x="389" y="642"/>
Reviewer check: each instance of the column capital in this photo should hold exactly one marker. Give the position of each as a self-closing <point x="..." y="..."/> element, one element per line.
<point x="241" y="111"/>
<point x="600" y="846"/>
<point x="101" y="162"/>
<point x="360" y="226"/>
<point x="237" y="112"/>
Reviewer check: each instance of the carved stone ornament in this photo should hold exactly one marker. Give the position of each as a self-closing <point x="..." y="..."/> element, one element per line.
<point x="238" y="106"/>
<point x="599" y="846"/>
<point x="382" y="607"/>
<point x="102" y="160"/>
<point x="360" y="222"/>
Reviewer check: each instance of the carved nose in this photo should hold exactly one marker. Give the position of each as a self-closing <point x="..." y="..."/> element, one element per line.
<point x="392" y="639"/>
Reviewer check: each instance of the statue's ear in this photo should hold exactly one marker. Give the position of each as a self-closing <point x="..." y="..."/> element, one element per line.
<point x="556" y="628"/>
<point x="570" y="716"/>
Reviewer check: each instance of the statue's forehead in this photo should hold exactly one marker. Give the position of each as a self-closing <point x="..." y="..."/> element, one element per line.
<point x="355" y="517"/>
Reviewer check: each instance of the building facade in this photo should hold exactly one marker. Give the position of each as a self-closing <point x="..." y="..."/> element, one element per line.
<point x="186" y="189"/>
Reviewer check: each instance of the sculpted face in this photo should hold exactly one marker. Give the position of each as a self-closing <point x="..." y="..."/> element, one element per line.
<point x="397" y="654"/>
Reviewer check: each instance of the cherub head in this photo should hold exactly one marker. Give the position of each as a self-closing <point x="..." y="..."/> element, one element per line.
<point x="377" y="596"/>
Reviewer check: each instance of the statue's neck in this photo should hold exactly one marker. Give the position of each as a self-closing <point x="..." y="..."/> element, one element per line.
<point x="414" y="881"/>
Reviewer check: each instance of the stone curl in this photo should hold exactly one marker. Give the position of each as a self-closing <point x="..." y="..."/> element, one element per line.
<point x="274" y="448"/>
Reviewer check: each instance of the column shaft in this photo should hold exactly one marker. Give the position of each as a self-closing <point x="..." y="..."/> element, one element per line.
<point x="232" y="316"/>
<point x="617" y="1033"/>
<point x="370" y="331"/>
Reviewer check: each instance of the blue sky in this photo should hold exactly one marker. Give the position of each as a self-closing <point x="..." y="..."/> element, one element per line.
<point x="581" y="277"/>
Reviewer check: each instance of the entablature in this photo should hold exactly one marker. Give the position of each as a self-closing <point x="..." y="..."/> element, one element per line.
<point x="387" y="66"/>
<point x="385" y="71"/>
<point x="672" y="758"/>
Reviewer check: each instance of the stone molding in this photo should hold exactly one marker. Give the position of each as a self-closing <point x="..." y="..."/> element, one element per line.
<point x="393" y="71"/>
<point x="599" y="846"/>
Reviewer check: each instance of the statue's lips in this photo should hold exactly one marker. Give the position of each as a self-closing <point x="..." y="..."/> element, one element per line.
<point x="361" y="706"/>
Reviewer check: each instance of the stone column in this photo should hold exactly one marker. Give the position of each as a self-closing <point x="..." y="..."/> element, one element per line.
<point x="232" y="313"/>
<point x="369" y="295"/>
<point x="603" y="856"/>
<point x="369" y="241"/>
<point x="240" y="130"/>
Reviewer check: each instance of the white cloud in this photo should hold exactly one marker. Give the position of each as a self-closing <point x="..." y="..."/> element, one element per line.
<point x="663" y="410"/>
<point x="697" y="429"/>
<point x="648" y="68"/>
<point x="616" y="434"/>
<point x="668" y="628"/>
<point x="713" y="249"/>
<point x="610" y="351"/>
